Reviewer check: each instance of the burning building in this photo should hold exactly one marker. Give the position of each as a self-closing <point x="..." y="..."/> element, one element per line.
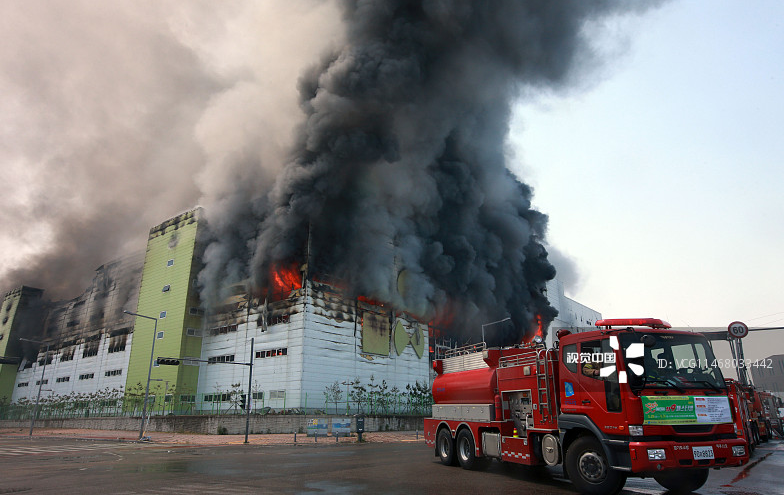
<point x="309" y="332"/>
<point x="82" y="341"/>
<point x="393" y="222"/>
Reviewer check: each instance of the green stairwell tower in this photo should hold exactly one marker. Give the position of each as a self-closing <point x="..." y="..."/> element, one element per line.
<point x="168" y="292"/>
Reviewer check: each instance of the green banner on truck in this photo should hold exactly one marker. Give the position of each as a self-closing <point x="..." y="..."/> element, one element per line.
<point x="685" y="409"/>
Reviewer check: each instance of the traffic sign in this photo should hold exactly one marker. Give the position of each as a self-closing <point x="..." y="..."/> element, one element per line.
<point x="738" y="329"/>
<point x="168" y="361"/>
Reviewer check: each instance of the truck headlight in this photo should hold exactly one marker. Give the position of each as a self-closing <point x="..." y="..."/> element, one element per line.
<point x="635" y="430"/>
<point x="738" y="450"/>
<point x="656" y="455"/>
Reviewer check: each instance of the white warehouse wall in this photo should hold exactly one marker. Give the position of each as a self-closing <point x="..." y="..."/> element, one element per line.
<point x="571" y="314"/>
<point x="98" y="365"/>
<point x="322" y="346"/>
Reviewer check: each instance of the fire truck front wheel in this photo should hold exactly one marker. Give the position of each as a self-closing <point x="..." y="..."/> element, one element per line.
<point x="589" y="470"/>
<point x="466" y="451"/>
<point x="445" y="448"/>
<point x="682" y="481"/>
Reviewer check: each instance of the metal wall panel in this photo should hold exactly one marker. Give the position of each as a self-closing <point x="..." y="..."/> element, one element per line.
<point x="463" y="412"/>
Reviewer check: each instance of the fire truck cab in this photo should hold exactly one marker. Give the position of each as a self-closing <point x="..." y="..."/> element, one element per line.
<point x="632" y="398"/>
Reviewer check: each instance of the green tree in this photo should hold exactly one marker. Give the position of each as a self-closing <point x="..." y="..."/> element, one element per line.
<point x="333" y="393"/>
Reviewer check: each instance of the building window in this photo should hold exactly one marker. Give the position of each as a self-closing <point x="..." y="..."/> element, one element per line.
<point x="67" y="355"/>
<point x="227" y="358"/>
<point x="160" y="335"/>
<point x="87" y="376"/>
<point x="192" y="332"/>
<point x="38" y="382"/>
<point x="272" y="353"/>
<point x="113" y="373"/>
<point x="217" y="398"/>
<point x="163" y="315"/>
<point x="166" y="288"/>
<point x="195" y="311"/>
<point x="258" y="395"/>
<point x="187" y="398"/>
<point x="117" y="344"/>
<point x="48" y="360"/>
<point x="90" y="350"/>
<point x="277" y="394"/>
<point x="22" y="384"/>
<point x="170" y="263"/>
<point x="223" y="330"/>
<point x="274" y="320"/>
<point x="63" y="379"/>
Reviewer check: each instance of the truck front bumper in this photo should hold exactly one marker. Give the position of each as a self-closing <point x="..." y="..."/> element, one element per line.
<point x="651" y="457"/>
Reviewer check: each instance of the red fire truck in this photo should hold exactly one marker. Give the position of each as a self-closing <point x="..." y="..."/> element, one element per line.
<point x="759" y="427"/>
<point x="740" y="413"/>
<point x="770" y="412"/>
<point x="633" y="398"/>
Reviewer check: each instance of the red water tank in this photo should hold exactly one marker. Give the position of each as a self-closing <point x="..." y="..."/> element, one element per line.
<point x="465" y="387"/>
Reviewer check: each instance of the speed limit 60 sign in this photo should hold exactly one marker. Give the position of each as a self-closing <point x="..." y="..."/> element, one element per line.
<point x="738" y="329"/>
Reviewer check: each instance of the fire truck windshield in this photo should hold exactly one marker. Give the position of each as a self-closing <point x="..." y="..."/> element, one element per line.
<point x="672" y="361"/>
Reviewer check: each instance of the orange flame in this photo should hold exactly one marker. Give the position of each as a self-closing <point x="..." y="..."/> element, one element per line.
<point x="445" y="316"/>
<point x="539" y="330"/>
<point x="368" y="300"/>
<point x="285" y="278"/>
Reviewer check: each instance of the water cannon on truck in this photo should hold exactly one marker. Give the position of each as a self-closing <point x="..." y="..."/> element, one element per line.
<point x="632" y="398"/>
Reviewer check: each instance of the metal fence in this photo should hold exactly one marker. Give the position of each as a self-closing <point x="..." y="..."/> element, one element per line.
<point x="69" y="406"/>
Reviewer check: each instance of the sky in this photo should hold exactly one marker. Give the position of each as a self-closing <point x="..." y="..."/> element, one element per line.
<point x="662" y="174"/>
<point x="656" y="166"/>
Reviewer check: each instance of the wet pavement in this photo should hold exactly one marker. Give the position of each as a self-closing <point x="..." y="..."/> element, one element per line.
<point x="391" y="463"/>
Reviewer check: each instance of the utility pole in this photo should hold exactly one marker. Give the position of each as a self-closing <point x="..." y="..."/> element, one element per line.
<point x="40" y="382"/>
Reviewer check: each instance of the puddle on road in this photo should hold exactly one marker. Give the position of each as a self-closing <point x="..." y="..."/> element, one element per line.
<point x="745" y="473"/>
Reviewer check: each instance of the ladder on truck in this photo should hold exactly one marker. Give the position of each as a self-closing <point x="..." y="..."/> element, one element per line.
<point x="545" y="383"/>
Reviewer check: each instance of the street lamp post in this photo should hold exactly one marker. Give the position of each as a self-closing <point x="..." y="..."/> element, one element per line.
<point x="40" y="383"/>
<point x="249" y="400"/>
<point x="149" y="370"/>
<point x="492" y="323"/>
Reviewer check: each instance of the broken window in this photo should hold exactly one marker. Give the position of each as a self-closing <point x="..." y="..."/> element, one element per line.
<point x="117" y="344"/>
<point x="90" y="350"/>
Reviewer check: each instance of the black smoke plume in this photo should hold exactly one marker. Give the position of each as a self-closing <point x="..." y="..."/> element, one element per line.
<point x="399" y="182"/>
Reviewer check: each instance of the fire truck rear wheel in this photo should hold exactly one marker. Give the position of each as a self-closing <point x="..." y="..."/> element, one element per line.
<point x="682" y="481"/>
<point x="589" y="470"/>
<point x="466" y="451"/>
<point x="445" y="448"/>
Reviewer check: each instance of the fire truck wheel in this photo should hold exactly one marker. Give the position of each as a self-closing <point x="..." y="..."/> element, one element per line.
<point x="445" y="448"/>
<point x="589" y="470"/>
<point x="682" y="481"/>
<point x="466" y="451"/>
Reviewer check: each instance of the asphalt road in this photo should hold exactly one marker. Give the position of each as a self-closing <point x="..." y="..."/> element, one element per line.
<point x="41" y="465"/>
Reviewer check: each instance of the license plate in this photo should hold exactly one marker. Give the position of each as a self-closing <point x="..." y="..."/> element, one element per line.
<point x="702" y="452"/>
